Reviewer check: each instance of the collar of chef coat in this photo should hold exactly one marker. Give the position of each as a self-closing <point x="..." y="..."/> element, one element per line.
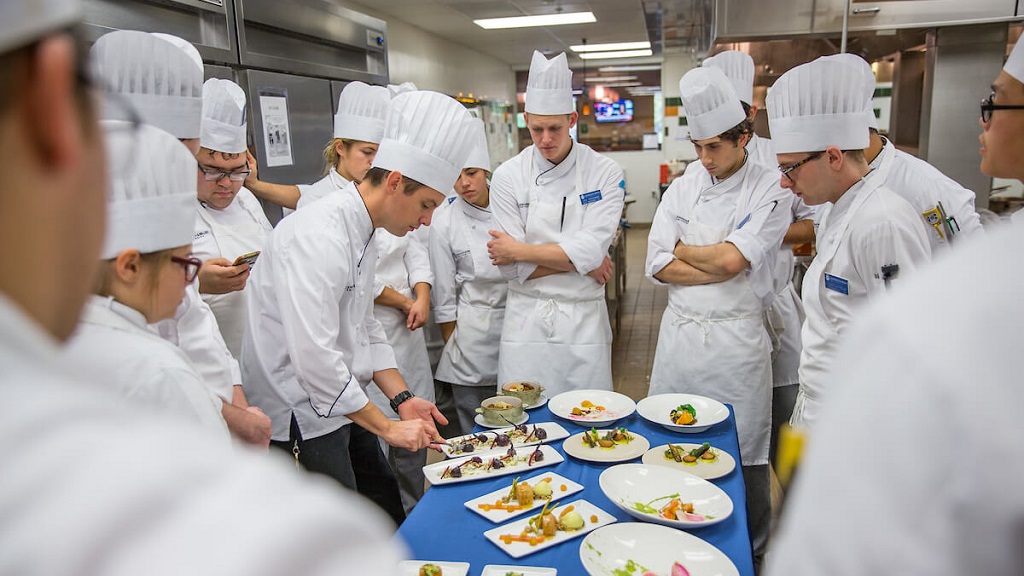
<point x="475" y="212"/>
<point x="887" y="150"/>
<point x="546" y="171"/>
<point x="363" y="223"/>
<point x="842" y="206"/>
<point x="111" y="312"/>
<point x="710" y="189"/>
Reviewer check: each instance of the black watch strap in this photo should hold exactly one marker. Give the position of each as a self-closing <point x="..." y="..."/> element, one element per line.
<point x="401" y="397"/>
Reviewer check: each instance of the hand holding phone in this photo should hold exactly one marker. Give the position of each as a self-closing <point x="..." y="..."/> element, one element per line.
<point x="249" y="259"/>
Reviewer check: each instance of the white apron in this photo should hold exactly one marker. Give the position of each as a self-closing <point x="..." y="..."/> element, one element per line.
<point x="470" y="357"/>
<point x="556" y="329"/>
<point x="819" y="327"/>
<point x="234" y="241"/>
<point x="713" y="342"/>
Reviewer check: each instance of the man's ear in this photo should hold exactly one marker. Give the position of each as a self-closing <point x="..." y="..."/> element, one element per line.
<point x="128" y="266"/>
<point x="836" y="158"/>
<point x="393" y="182"/>
<point x="573" y="118"/>
<point x="53" y="117"/>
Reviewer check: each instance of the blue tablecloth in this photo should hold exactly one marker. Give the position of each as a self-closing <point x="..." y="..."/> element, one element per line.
<point x="442" y="528"/>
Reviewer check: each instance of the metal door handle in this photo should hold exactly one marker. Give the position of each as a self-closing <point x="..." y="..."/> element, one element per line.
<point x="874" y="10"/>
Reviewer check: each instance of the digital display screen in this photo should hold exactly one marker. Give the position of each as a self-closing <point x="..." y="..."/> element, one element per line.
<point x="619" y="111"/>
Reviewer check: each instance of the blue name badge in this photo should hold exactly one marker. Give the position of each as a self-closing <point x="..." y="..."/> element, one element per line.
<point x="837" y="283"/>
<point x="590" y="197"/>
<point x="744" y="221"/>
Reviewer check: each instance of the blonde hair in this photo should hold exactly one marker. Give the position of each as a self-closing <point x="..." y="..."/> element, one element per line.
<point x="155" y="261"/>
<point x="331" y="156"/>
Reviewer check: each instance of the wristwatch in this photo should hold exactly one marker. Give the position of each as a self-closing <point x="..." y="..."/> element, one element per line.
<point x="401" y="397"/>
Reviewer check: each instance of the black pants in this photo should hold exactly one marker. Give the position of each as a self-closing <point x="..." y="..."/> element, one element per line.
<point x="759" y="510"/>
<point x="352" y="456"/>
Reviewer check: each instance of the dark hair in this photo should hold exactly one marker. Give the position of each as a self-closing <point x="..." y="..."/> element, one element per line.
<point x="736" y="132"/>
<point x="376" y="176"/>
<point x="856" y="154"/>
<point x="746" y="108"/>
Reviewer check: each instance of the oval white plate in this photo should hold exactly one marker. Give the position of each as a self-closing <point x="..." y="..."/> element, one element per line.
<point x="628" y="484"/>
<point x="554" y="431"/>
<point x="606" y="551"/>
<point x="574" y="446"/>
<point x="658" y="409"/>
<point x="540" y="402"/>
<point x="479" y="419"/>
<point x="412" y="567"/>
<point x="617" y="406"/>
<point x="717" y="468"/>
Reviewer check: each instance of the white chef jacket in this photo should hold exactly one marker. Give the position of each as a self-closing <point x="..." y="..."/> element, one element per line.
<point x="556" y="328"/>
<point x="113" y="344"/>
<point x="869" y="227"/>
<point x="239" y="229"/>
<point x="469" y="290"/>
<point x="92" y="486"/>
<point x="915" y="465"/>
<point x="312" y="344"/>
<point x="712" y="339"/>
<point x="923" y="186"/>
<point x="787" y="309"/>
<point x="309" y="193"/>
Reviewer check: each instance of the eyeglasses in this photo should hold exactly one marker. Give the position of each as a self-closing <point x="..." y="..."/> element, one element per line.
<point x="191" y="266"/>
<point x="987" y="107"/>
<point x="215" y="175"/>
<point x="787" y="170"/>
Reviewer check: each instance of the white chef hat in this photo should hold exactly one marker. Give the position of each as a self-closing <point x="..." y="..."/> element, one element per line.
<point x="1015" y="63"/>
<point x="159" y="79"/>
<point x="860" y="66"/>
<point x="817" y="105"/>
<point x="710" y="103"/>
<point x="362" y="111"/>
<point x="478" y="155"/>
<point x="27" y="20"/>
<point x="426" y="138"/>
<point x="184" y="45"/>
<point x="738" y="68"/>
<point x="549" y="86"/>
<point x="397" y="89"/>
<point x="223" y="128"/>
<point x="153" y="208"/>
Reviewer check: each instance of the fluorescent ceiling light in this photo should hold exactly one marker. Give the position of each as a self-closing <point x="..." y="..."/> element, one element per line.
<point x="612" y="46"/>
<point x="540" y="20"/>
<point x="621" y="84"/>
<point x="609" y="78"/>
<point x="619" y="54"/>
<point x="628" y="68"/>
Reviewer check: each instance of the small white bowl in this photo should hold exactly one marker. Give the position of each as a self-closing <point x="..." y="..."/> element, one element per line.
<point x="658" y="409"/>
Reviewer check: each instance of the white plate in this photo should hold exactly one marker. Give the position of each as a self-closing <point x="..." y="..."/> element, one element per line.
<point x="554" y="432"/>
<point x="542" y="400"/>
<point x="617" y="406"/>
<point x="574" y="446"/>
<point x="520" y="549"/>
<point x="717" y="468"/>
<point x="497" y="516"/>
<point x="433" y="472"/>
<point x="499" y="570"/>
<point x="607" y="551"/>
<point x="479" y="419"/>
<point x="630" y="485"/>
<point x="658" y="409"/>
<point x="412" y="567"/>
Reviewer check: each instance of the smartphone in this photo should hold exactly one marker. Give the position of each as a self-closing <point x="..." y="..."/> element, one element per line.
<point x="249" y="259"/>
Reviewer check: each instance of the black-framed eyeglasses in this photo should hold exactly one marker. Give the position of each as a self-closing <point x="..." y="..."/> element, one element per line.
<point x="215" y="175"/>
<point x="787" y="170"/>
<point x="987" y="107"/>
<point x="191" y="266"/>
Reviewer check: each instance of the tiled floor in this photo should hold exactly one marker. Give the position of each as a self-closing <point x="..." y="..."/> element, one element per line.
<point x="642" y="306"/>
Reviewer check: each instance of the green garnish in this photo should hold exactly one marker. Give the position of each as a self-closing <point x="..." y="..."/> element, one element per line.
<point x="647" y="508"/>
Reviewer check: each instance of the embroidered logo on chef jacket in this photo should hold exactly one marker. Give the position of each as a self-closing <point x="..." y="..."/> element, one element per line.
<point x="199" y="235"/>
<point x="590" y="197"/>
<point x="682" y="219"/>
<point x="523" y="205"/>
<point x="463" y="254"/>
<point x="837" y="283"/>
<point x="350" y="288"/>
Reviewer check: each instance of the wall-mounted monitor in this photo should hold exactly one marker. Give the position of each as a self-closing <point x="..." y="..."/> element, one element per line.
<point x="618" y="111"/>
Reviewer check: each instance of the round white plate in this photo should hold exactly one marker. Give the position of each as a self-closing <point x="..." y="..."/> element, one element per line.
<point x="658" y="409"/>
<point x="542" y="400"/>
<point x="632" y="485"/>
<point x="608" y="550"/>
<point x="616" y="406"/>
<point x="574" y="446"/>
<point x="479" y="419"/>
<point x="717" y="468"/>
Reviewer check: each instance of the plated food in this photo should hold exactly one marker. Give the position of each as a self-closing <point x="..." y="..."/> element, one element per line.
<point x="432" y="568"/>
<point x="639" y="549"/>
<point x="501" y="410"/>
<point x="501" y="438"/>
<point x="702" y="460"/>
<point x="663" y="496"/>
<point x="522" y="496"/>
<point x="552" y="526"/>
<point x="592" y="407"/>
<point x="601" y="445"/>
<point x="526" y="390"/>
<point x="609" y="439"/>
<point x="502" y="570"/>
<point x="512" y="461"/>
<point x="686" y="413"/>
